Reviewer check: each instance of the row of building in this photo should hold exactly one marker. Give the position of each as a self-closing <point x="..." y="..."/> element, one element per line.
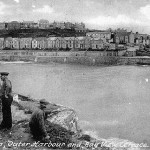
<point x="121" y="37"/>
<point x="41" y="24"/>
<point x="95" y="40"/>
<point x="56" y="43"/>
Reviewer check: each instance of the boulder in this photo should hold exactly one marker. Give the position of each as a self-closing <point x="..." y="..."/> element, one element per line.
<point x="60" y="115"/>
<point x="63" y="126"/>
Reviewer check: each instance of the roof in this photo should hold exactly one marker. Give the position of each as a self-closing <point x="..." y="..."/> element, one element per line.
<point x="123" y="33"/>
<point x="8" y="38"/>
<point x="43" y="21"/>
<point x="28" y="21"/>
<point x="97" y="32"/>
<point x="141" y="35"/>
<point x="121" y="45"/>
<point x="97" y="39"/>
<point x="15" y="38"/>
<point x="40" y="38"/>
<point x="68" y="23"/>
<point x="2" y="22"/>
<point x="59" y="38"/>
<point x="14" y="22"/>
<point x="52" y="38"/>
<point x="28" y="38"/>
<point x="69" y="38"/>
<point x="60" y="23"/>
<point x="80" y="38"/>
<point x="132" y="48"/>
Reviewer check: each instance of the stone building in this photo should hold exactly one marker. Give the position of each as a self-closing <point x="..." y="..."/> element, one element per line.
<point x="13" y="25"/>
<point x="43" y="24"/>
<point x="26" y="43"/>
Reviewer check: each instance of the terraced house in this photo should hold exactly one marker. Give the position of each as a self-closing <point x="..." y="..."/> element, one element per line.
<point x="13" y="25"/>
<point x="81" y="42"/>
<point x="63" y="43"/>
<point x="25" y="43"/>
<point x="15" y="42"/>
<point x="2" y="25"/>
<point x="87" y="42"/>
<point x="100" y="34"/>
<point x="43" y="24"/>
<point x="69" y="42"/>
<point x="8" y="43"/>
<point x="69" y="25"/>
<point x="51" y="42"/>
<point x="58" y="43"/>
<point x="76" y="43"/>
<point x="97" y="43"/>
<point x="124" y="37"/>
<point x="80" y="27"/>
<point x="131" y="37"/>
<point x="41" y="43"/>
<point x="27" y="24"/>
<point x="72" y="43"/>
<point x="60" y="25"/>
<point x="34" y="43"/>
<point x="1" y="43"/>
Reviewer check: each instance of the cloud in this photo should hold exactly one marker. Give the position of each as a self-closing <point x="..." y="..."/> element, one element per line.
<point x="109" y="20"/>
<point x="103" y="22"/>
<point x="46" y="9"/>
<point x="33" y="6"/>
<point x="145" y="11"/>
<point x="88" y="3"/>
<point x="17" y="1"/>
<point x="2" y="8"/>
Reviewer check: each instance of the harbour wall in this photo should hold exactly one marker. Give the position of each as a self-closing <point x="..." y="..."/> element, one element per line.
<point x="79" y="57"/>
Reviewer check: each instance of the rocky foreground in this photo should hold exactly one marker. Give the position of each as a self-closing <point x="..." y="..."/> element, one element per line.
<point x="62" y="127"/>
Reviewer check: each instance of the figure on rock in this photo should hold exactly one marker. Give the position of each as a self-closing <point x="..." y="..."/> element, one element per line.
<point x="37" y="123"/>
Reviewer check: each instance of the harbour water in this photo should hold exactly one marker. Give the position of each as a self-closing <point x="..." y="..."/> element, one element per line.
<point x="109" y="101"/>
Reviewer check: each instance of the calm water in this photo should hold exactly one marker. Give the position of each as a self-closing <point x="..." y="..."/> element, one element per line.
<point x="110" y="101"/>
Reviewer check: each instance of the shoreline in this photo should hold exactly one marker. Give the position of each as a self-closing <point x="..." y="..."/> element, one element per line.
<point x="112" y="139"/>
<point x="88" y="58"/>
<point x="25" y="105"/>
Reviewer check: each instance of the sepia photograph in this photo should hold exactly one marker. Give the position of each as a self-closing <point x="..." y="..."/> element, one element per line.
<point x="74" y="74"/>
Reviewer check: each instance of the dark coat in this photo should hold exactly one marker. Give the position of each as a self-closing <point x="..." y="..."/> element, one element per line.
<point x="37" y="124"/>
<point x="7" y="98"/>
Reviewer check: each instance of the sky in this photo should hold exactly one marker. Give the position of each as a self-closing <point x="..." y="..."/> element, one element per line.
<point x="96" y="14"/>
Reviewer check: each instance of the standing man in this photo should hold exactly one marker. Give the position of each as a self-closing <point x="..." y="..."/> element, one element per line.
<point x="6" y="98"/>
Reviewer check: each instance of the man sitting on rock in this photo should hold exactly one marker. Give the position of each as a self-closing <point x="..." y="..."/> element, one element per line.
<point x="37" y="122"/>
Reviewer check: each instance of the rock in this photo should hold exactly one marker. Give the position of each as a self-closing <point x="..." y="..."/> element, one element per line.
<point x="18" y="115"/>
<point x="64" y="121"/>
<point x="85" y="137"/>
<point x="60" y="115"/>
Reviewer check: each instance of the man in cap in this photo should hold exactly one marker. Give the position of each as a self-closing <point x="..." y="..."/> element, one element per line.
<point x="6" y="98"/>
<point x="37" y="122"/>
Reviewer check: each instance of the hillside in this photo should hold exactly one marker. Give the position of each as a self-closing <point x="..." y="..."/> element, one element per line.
<point x="21" y="33"/>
